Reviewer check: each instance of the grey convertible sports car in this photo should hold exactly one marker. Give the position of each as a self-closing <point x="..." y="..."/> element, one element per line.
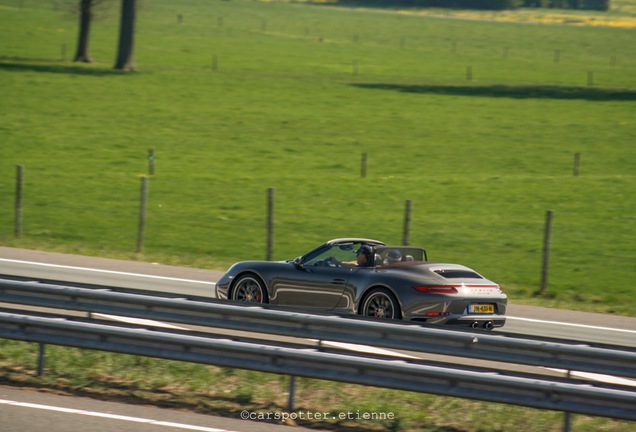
<point x="366" y="277"/>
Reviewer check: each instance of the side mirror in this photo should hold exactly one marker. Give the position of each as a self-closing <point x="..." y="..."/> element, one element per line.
<point x="298" y="262"/>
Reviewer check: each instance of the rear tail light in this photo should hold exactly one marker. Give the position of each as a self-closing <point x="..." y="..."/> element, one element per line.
<point x="436" y="289"/>
<point x="436" y="314"/>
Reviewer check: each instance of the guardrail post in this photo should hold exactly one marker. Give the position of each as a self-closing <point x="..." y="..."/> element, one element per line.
<point x="567" y="416"/>
<point x="41" y="358"/>
<point x="292" y="393"/>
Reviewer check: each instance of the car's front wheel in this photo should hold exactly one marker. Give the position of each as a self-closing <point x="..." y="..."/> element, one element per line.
<point x="250" y="289"/>
<point x="381" y="303"/>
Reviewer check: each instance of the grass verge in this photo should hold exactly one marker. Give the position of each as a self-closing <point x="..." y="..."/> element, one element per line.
<point x="228" y="392"/>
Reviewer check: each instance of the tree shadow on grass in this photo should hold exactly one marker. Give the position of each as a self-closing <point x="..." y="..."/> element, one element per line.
<point x="389" y="5"/>
<point x="514" y="92"/>
<point x="20" y="64"/>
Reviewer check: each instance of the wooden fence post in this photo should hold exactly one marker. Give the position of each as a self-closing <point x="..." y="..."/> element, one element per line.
<point x="270" y="224"/>
<point x="18" y="200"/>
<point x="577" y="163"/>
<point x="151" y="162"/>
<point x="546" y="251"/>
<point x="142" y="213"/>
<point x="407" y="223"/>
<point x="363" y="166"/>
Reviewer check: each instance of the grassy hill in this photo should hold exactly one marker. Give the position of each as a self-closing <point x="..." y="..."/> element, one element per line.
<point x="477" y="122"/>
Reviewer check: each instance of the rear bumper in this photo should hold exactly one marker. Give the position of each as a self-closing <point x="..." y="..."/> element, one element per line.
<point x="471" y="321"/>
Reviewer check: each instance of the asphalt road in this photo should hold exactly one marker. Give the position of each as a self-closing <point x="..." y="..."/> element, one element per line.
<point x="29" y="411"/>
<point x="528" y="320"/>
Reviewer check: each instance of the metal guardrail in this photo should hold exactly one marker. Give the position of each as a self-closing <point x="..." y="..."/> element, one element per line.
<point x="444" y="341"/>
<point x="396" y="374"/>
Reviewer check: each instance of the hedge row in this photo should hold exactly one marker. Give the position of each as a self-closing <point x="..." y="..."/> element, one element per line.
<point x="489" y="4"/>
<point x="601" y="5"/>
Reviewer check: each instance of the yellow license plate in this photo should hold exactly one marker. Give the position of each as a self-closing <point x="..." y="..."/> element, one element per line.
<point x="482" y="308"/>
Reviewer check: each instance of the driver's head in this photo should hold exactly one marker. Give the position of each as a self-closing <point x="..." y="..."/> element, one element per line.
<point x="364" y="254"/>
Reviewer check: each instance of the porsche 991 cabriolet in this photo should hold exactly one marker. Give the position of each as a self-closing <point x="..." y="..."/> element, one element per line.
<point x="367" y="277"/>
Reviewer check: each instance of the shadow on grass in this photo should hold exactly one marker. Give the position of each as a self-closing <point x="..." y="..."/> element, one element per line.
<point x="515" y="92"/>
<point x="53" y="66"/>
<point x="397" y="5"/>
<point x="378" y="4"/>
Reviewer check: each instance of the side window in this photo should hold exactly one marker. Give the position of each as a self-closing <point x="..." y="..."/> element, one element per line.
<point x="334" y="256"/>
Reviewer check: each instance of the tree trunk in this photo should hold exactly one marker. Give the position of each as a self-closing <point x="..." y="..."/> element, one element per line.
<point x="125" y="59"/>
<point x="86" y="15"/>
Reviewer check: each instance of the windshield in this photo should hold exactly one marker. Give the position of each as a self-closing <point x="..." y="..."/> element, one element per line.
<point x="343" y="253"/>
<point x="340" y="255"/>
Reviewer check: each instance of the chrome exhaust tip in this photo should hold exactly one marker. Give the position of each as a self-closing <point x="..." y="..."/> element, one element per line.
<point x="474" y="324"/>
<point x="489" y="325"/>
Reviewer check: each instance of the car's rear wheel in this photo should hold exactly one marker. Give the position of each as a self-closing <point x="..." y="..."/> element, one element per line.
<point x="250" y="289"/>
<point x="381" y="303"/>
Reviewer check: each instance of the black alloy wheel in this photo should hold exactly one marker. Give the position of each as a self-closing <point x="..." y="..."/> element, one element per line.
<point x="249" y="289"/>
<point x="381" y="303"/>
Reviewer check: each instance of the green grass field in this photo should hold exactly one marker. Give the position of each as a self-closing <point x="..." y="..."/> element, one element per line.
<point x="242" y="96"/>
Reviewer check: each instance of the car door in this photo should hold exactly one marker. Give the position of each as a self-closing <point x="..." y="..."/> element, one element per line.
<point x="309" y="286"/>
<point x="316" y="280"/>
